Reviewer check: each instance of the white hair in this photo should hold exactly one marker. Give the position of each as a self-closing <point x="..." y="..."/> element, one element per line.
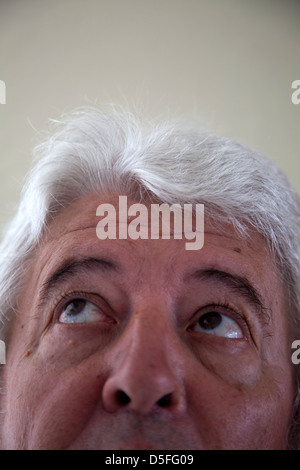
<point x="91" y="151"/>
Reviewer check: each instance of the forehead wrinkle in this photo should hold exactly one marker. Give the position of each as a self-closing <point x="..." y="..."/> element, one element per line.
<point x="55" y="234"/>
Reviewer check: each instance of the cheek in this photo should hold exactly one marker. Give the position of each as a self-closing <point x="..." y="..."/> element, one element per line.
<point x="51" y="408"/>
<point x="66" y="409"/>
<point x="232" y="416"/>
<point x="51" y="394"/>
<point x="232" y="362"/>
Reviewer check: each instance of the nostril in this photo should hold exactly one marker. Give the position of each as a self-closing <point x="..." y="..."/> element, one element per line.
<point x="164" y="401"/>
<point x="122" y="397"/>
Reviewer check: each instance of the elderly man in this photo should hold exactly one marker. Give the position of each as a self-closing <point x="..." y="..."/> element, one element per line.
<point x="150" y="293"/>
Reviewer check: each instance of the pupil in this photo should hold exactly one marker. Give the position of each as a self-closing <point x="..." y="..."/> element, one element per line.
<point x="75" y="307"/>
<point x="210" y="320"/>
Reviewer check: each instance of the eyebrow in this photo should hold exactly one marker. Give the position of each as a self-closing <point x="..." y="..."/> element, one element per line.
<point x="77" y="267"/>
<point x="234" y="282"/>
<point x="71" y="269"/>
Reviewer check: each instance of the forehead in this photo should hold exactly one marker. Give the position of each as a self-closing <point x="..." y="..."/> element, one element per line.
<point x="73" y="233"/>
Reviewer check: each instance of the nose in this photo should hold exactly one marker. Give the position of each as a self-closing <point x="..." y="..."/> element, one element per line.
<point x="144" y="376"/>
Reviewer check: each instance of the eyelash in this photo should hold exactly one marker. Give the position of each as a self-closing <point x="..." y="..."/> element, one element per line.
<point x="226" y="309"/>
<point x="61" y="302"/>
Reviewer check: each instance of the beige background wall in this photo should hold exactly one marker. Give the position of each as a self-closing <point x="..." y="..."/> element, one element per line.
<point x="232" y="62"/>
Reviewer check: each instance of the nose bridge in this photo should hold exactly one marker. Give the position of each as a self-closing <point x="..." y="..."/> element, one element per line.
<point x="147" y="355"/>
<point x="148" y="335"/>
<point x="143" y="371"/>
<point x="144" y="352"/>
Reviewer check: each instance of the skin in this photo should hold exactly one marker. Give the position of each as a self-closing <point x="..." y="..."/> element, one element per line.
<point x="139" y="373"/>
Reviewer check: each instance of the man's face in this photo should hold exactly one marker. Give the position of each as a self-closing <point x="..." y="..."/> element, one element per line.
<point x="122" y="344"/>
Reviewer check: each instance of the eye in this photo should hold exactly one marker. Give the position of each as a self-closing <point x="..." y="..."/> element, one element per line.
<point x="218" y="324"/>
<point x="82" y="311"/>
